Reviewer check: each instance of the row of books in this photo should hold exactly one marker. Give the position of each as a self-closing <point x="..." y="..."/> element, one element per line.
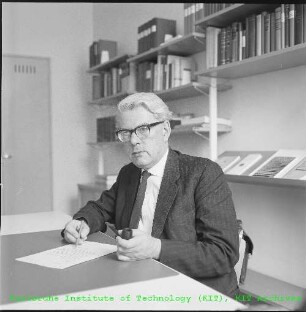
<point x="106" y="128"/>
<point x="256" y="35"/>
<point x="111" y="82"/>
<point x="170" y="71"/>
<point x="102" y="51"/>
<point x="194" y="12"/>
<point x="154" y="32"/>
<point x="287" y="164"/>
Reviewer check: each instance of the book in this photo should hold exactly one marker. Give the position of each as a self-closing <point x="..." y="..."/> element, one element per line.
<point x="258" y="34"/>
<point x="161" y="28"/>
<point x="96" y="87"/>
<point x="278" y="33"/>
<point x="272" y="32"/>
<point x="226" y="162"/>
<point x="304" y="22"/>
<point x="245" y="164"/>
<point x="251" y="35"/>
<point x="279" y="163"/>
<point x="263" y="19"/>
<point x="107" y="50"/>
<point x="267" y="32"/>
<point x="291" y="24"/>
<point x="299" y="23"/>
<point x="282" y="26"/>
<point x="287" y="31"/>
<point x="297" y="172"/>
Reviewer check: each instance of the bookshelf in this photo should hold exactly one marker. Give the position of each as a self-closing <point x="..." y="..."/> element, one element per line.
<point x="273" y="61"/>
<point x="265" y="190"/>
<point x="232" y="13"/>
<point x="108" y="65"/>
<point x="183" y="46"/>
<point x="110" y="100"/>
<point x="200" y="129"/>
<point x="278" y="182"/>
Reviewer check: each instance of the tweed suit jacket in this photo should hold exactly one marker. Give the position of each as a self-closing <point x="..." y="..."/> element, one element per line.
<point x="194" y="218"/>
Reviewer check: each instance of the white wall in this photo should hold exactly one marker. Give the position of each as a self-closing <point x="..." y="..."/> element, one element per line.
<point x="62" y="32"/>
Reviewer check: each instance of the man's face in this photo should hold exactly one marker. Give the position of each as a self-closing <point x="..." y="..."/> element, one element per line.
<point x="144" y="153"/>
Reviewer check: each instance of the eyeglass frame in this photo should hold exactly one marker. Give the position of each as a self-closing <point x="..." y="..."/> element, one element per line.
<point x="149" y="126"/>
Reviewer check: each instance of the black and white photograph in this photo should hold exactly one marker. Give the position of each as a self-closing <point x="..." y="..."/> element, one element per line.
<point x="153" y="156"/>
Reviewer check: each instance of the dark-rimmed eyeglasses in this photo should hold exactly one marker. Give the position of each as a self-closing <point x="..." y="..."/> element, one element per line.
<point x="142" y="132"/>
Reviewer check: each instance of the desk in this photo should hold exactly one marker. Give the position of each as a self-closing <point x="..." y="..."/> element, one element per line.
<point x="101" y="277"/>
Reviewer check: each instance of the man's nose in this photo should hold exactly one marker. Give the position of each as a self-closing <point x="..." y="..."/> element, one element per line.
<point x="134" y="139"/>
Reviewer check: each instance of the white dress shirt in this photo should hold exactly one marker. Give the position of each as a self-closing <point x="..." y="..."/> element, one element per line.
<point x="152" y="191"/>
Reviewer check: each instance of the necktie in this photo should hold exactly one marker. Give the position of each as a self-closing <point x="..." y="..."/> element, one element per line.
<point x="139" y="200"/>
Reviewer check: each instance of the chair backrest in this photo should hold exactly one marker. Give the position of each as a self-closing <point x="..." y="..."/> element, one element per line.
<point x="245" y="250"/>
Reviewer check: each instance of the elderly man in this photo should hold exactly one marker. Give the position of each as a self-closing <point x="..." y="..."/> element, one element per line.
<point x="179" y="207"/>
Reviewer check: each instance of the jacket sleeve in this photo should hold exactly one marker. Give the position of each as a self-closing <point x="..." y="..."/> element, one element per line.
<point x="96" y="213"/>
<point x="216" y="250"/>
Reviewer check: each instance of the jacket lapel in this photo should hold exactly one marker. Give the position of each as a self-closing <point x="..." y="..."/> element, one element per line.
<point x="167" y="193"/>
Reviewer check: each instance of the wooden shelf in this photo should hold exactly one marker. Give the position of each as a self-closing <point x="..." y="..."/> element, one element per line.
<point x="279" y="182"/>
<point x="189" y="90"/>
<point x="236" y="12"/>
<point x="183" y="46"/>
<point x="92" y="187"/>
<point x="110" y="100"/>
<point x="108" y="65"/>
<point x="103" y="145"/>
<point x="258" y="284"/>
<point x="200" y="129"/>
<point x="277" y="60"/>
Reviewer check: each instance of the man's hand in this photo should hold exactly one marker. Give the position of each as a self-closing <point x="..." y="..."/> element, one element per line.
<point x="71" y="233"/>
<point x="140" y="246"/>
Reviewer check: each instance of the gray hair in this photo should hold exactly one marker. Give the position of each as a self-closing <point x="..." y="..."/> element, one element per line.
<point x="149" y="101"/>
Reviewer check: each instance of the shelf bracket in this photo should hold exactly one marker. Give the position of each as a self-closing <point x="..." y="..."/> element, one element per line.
<point x="200" y="134"/>
<point x="201" y="91"/>
<point x="200" y="41"/>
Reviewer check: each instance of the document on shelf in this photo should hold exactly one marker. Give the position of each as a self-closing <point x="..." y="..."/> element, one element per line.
<point x="69" y="255"/>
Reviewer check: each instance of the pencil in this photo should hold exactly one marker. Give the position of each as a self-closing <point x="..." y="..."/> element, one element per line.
<point x="78" y="239"/>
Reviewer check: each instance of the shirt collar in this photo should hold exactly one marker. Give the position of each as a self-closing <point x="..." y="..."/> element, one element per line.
<point x="158" y="169"/>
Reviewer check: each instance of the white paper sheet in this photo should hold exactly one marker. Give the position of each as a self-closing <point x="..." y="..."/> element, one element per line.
<point x="69" y="255"/>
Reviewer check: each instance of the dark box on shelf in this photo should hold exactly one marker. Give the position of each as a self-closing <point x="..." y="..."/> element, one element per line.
<point x="152" y="33"/>
<point x="106" y="129"/>
<point x="102" y="51"/>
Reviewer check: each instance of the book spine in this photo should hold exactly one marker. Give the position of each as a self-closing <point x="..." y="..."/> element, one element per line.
<point x="304" y="22"/>
<point x="252" y="35"/>
<point x="283" y="26"/>
<point x="263" y="19"/>
<point x="287" y="31"/>
<point x="258" y="34"/>
<point x="240" y="31"/>
<point x="185" y="18"/>
<point x="299" y="24"/>
<point x="278" y="34"/>
<point x="235" y="42"/>
<point x="228" y="45"/>
<point x="267" y="33"/>
<point x="291" y="24"/>
<point x="243" y="45"/>
<point x="272" y="32"/>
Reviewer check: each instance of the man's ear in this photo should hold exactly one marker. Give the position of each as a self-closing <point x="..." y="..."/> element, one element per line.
<point x="166" y="130"/>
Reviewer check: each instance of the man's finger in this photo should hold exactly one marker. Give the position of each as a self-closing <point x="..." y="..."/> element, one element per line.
<point x="70" y="238"/>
